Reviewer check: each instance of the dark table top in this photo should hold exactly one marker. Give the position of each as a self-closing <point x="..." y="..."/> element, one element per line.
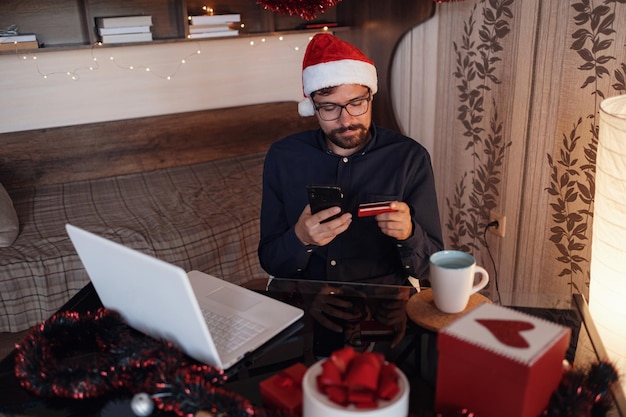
<point x="298" y="344"/>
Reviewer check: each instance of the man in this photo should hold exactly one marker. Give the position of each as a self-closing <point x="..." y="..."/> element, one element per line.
<point x="370" y="164"/>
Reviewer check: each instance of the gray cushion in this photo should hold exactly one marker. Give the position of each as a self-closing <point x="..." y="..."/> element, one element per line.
<point x="9" y="224"/>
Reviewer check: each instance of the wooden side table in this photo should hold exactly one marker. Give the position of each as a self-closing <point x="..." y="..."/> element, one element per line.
<point x="422" y="311"/>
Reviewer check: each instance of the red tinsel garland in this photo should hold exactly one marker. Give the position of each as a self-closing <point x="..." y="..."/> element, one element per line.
<point x="80" y="356"/>
<point x="306" y="9"/>
<point x="583" y="392"/>
<point x="42" y="365"/>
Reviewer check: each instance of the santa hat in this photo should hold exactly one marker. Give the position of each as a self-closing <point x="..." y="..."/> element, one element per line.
<point x="329" y="62"/>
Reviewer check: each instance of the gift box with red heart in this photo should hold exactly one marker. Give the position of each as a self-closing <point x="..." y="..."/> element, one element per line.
<point x="283" y="391"/>
<point x="499" y="362"/>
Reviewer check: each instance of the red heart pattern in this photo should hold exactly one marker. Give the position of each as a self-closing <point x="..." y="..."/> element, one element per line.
<point x="508" y="332"/>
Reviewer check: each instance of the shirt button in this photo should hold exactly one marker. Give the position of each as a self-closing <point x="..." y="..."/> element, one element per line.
<point x="345" y="159"/>
<point x="299" y="270"/>
<point x="407" y="266"/>
<point x="333" y="262"/>
<point x="309" y="250"/>
<point x="398" y="245"/>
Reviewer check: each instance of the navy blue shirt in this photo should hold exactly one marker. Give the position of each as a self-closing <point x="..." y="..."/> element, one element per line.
<point x="390" y="167"/>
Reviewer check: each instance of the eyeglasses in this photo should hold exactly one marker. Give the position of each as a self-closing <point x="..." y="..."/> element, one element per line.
<point x="357" y="107"/>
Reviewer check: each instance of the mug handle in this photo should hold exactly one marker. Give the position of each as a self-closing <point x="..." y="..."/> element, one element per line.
<point x="484" y="279"/>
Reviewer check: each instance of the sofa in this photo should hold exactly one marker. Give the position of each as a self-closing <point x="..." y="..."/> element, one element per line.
<point x="185" y="188"/>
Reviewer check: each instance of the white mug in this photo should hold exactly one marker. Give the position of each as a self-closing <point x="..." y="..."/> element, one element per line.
<point x="452" y="279"/>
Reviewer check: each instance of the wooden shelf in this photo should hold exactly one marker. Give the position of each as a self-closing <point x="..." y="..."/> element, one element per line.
<point x="62" y="24"/>
<point x="166" y="41"/>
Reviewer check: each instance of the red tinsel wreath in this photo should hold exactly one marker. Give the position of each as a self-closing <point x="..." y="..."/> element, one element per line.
<point x="44" y="363"/>
<point x="306" y="9"/>
<point x="80" y="356"/>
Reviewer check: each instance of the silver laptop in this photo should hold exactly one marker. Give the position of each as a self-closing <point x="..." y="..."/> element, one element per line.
<point x="161" y="300"/>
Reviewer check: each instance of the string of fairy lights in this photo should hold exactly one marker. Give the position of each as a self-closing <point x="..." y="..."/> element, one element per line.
<point x="94" y="61"/>
<point x="99" y="53"/>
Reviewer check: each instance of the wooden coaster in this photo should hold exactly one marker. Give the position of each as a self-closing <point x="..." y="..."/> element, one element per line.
<point x="422" y="311"/>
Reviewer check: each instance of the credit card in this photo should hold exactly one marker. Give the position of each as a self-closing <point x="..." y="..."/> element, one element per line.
<point x="372" y="209"/>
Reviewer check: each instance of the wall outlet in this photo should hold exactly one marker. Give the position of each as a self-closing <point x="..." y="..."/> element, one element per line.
<point x="495" y="216"/>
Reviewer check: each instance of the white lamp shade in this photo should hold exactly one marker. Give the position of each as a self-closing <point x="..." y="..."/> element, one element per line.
<point x="607" y="291"/>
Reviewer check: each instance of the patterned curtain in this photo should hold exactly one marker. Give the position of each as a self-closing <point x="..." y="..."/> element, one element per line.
<point x="518" y="88"/>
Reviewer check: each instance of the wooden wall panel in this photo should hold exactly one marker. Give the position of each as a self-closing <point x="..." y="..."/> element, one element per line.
<point x="414" y="84"/>
<point x="226" y="73"/>
<point x="377" y="28"/>
<point x="96" y="150"/>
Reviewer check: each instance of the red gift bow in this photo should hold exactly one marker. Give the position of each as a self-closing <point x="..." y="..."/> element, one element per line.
<point x="355" y="378"/>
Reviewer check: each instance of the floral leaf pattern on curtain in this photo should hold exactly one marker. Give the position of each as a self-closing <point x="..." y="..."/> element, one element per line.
<point x="572" y="171"/>
<point x="477" y="65"/>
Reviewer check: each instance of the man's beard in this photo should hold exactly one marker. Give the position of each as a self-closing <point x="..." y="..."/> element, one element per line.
<point x="359" y="137"/>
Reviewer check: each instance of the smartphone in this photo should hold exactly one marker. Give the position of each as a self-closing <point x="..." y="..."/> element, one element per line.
<point x="325" y="196"/>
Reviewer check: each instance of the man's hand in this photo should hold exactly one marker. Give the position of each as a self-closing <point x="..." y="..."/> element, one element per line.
<point x="311" y="231"/>
<point x="396" y="224"/>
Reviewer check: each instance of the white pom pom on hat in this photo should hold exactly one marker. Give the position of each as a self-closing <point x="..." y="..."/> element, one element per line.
<point x="329" y="62"/>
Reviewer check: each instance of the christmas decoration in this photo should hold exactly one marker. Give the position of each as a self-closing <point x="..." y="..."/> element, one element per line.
<point x="351" y="384"/>
<point x="306" y="9"/>
<point x="44" y="362"/>
<point x="82" y="356"/>
<point x="583" y="392"/>
<point x="524" y="353"/>
<point x="330" y="61"/>
<point x="282" y="392"/>
<point x="355" y="378"/>
<point x="142" y="404"/>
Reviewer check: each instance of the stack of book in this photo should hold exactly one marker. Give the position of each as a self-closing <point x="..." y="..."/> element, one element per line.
<point x="213" y="25"/>
<point x="14" y="42"/>
<point x="124" y="29"/>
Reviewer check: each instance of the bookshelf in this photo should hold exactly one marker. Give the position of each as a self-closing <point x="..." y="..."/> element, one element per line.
<point x="71" y="23"/>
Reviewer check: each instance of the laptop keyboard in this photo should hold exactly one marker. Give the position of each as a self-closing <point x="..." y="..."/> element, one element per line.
<point x="229" y="333"/>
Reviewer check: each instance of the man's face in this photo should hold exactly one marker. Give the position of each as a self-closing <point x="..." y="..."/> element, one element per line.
<point x="347" y="134"/>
